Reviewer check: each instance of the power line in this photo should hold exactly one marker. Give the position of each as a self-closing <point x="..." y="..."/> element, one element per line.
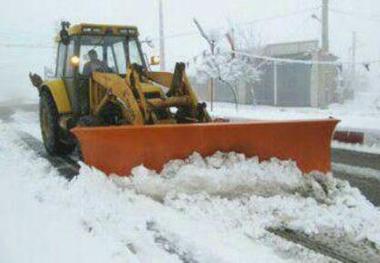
<point x="292" y="61"/>
<point x="295" y="13"/>
<point x="33" y="46"/>
<point x="264" y="19"/>
<point x="305" y="62"/>
<point x="24" y="34"/>
<point x="175" y="35"/>
<point x="181" y="34"/>
<point x="354" y="14"/>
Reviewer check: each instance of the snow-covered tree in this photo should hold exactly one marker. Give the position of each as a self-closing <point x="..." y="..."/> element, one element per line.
<point x="224" y="65"/>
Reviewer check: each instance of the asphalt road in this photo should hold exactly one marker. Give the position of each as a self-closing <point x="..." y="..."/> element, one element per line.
<point x="370" y="187"/>
<point x="6" y="112"/>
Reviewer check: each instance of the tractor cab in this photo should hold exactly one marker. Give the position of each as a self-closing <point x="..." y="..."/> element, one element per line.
<point x="116" y="47"/>
<point x="115" y="51"/>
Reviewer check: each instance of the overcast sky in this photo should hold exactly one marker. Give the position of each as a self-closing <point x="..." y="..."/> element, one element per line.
<point x="34" y="21"/>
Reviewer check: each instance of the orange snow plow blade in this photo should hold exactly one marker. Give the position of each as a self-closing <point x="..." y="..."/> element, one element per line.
<point x="118" y="149"/>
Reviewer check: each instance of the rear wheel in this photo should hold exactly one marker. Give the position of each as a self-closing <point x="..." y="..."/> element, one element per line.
<point x="49" y="122"/>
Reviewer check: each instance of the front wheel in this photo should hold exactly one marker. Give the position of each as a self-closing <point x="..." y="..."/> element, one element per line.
<point x="49" y="122"/>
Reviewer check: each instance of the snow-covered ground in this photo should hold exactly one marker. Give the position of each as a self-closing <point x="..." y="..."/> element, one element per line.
<point x="353" y="116"/>
<point x="358" y="171"/>
<point x="373" y="147"/>
<point x="213" y="209"/>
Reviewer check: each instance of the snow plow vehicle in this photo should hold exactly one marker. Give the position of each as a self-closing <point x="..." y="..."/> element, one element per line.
<point x="105" y="98"/>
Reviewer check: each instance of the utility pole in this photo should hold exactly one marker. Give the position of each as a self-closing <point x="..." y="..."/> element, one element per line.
<point x="354" y="46"/>
<point x="325" y="25"/>
<point x="162" y="36"/>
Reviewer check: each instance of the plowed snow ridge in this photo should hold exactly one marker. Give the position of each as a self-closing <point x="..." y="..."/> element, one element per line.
<point x="200" y="210"/>
<point x="242" y="191"/>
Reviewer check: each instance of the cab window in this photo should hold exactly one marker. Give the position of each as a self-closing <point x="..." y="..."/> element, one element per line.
<point x="115" y="52"/>
<point x="111" y="50"/>
<point x="84" y="58"/>
<point x="69" y="67"/>
<point x="60" y="60"/>
<point x="116" y="57"/>
<point x="134" y="52"/>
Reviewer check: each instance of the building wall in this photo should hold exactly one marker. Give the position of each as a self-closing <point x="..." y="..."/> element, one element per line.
<point x="264" y="90"/>
<point x="293" y="85"/>
<point x="222" y="92"/>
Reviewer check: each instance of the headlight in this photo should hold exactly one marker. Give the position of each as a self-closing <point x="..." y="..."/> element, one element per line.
<point x="74" y="61"/>
<point x="154" y="60"/>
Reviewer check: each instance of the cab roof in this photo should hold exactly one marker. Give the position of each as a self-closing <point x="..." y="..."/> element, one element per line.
<point x="101" y="29"/>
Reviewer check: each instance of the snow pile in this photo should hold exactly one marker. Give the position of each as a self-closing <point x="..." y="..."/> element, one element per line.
<point x="251" y="196"/>
<point x="227" y="175"/>
<point x="45" y="218"/>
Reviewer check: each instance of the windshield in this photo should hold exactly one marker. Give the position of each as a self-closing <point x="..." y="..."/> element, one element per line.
<point x="134" y="52"/>
<point x="113" y="53"/>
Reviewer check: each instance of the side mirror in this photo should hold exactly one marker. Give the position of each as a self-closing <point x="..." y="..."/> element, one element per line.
<point x="154" y="60"/>
<point x="64" y="34"/>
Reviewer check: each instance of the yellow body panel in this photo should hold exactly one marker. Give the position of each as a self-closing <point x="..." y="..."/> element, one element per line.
<point x="58" y="90"/>
<point x="116" y="86"/>
<point x="162" y="78"/>
<point x="150" y="88"/>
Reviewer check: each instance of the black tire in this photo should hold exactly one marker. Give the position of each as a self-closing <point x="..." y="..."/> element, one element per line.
<point x="49" y="122"/>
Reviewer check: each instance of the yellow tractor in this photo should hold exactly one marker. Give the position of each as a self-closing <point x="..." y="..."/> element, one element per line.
<point x="115" y="88"/>
<point x="105" y="97"/>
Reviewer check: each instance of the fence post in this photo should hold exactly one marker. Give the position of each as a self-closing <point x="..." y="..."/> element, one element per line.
<point x="275" y="87"/>
<point x="211" y="93"/>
